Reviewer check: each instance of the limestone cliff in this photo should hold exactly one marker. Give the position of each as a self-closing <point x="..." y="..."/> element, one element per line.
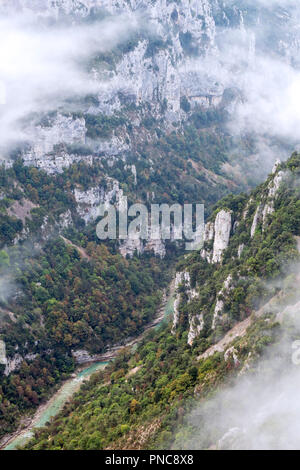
<point x="231" y="238"/>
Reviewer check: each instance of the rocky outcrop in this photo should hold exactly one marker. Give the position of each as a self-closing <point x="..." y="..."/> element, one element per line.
<point x="219" y="307"/>
<point x="56" y="163"/>
<point x="256" y="218"/>
<point x="130" y="247"/>
<point x="273" y="188"/>
<point x="133" y="171"/>
<point x="65" y="220"/>
<point x="217" y="235"/>
<point x="266" y="204"/>
<point x="196" y="325"/>
<point x="61" y="129"/>
<point x="3" y="359"/>
<point x="88" y="201"/>
<point x="246" y="210"/>
<point x="13" y="363"/>
<point x="196" y="322"/>
<point x="208" y="237"/>
<point x="240" y="250"/>
<point x="222" y="233"/>
<point x="178" y="280"/>
<point x="82" y="356"/>
<point x="157" y="247"/>
<point x="231" y="353"/>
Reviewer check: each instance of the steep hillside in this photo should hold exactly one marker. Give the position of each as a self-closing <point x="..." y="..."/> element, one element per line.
<point x="63" y="299"/>
<point x="234" y="300"/>
<point x="101" y="99"/>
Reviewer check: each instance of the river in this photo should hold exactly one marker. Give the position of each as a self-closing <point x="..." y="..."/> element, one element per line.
<point x="55" y="404"/>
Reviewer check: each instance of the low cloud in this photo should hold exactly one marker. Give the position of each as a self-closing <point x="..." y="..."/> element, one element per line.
<point x="42" y="65"/>
<point x="259" y="409"/>
<point x="260" y="58"/>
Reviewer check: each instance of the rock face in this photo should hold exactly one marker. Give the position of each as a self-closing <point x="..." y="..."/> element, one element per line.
<point x="256" y="218"/>
<point x="159" y="70"/>
<point x="217" y="234"/>
<point x="60" y="129"/>
<point x="3" y="359"/>
<point x="266" y="204"/>
<point x="88" y="201"/>
<point x="230" y="226"/>
<point x="222" y="233"/>
<point x="157" y="247"/>
<point x="82" y="356"/>
<point x="272" y="194"/>
<point x="218" y="312"/>
<point x="129" y="247"/>
<point x="196" y="322"/>
<point x="232" y="353"/>
<point x="209" y="232"/>
<point x="164" y="71"/>
<point x="178" y="279"/>
<point x="241" y="249"/>
<point x="13" y="363"/>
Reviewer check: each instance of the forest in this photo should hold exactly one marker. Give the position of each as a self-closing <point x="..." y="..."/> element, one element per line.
<point x="143" y="398"/>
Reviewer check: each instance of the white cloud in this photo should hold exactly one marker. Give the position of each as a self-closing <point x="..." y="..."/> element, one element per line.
<point x="260" y="61"/>
<point x="42" y="66"/>
<point x="259" y="411"/>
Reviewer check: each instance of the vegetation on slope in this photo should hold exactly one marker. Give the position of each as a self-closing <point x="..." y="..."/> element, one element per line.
<point x="143" y="398"/>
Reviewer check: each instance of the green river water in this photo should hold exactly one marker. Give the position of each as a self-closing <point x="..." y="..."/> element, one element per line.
<point x="57" y="402"/>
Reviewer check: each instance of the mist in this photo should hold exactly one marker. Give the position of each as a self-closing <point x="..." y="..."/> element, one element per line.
<point x="259" y="60"/>
<point x="260" y="408"/>
<point x="44" y="64"/>
<point x="269" y="84"/>
<point x="13" y="261"/>
<point x="259" y="413"/>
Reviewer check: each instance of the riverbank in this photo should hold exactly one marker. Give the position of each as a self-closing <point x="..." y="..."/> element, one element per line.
<point x="56" y="403"/>
<point x="52" y="407"/>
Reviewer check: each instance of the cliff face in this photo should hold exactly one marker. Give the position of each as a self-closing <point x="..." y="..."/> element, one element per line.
<point x="240" y="244"/>
<point x="169" y="65"/>
<point x="155" y="72"/>
<point x="161" y="81"/>
<point x="163" y="74"/>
